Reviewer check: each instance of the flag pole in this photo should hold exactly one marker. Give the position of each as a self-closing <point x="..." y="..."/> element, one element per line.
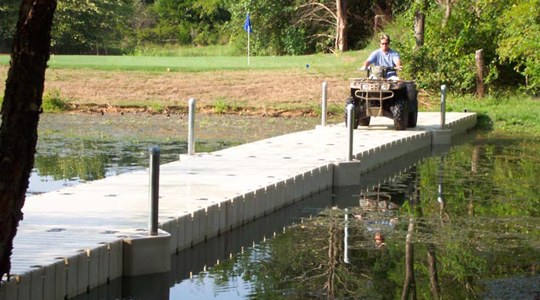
<point x="248" y="43"/>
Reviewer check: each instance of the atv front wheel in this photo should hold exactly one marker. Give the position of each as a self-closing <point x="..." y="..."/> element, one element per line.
<point x="400" y="113"/>
<point x="364" y="121"/>
<point x="350" y="100"/>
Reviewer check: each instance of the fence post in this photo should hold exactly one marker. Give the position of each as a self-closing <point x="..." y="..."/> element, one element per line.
<point x="324" y="103"/>
<point x="154" y="191"/>
<point x="191" y="128"/>
<point x="350" y="126"/>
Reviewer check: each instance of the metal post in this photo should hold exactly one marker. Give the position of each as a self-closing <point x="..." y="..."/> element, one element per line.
<point x="154" y="191"/>
<point x="443" y="106"/>
<point x="323" y="105"/>
<point x="350" y="126"/>
<point x="191" y="129"/>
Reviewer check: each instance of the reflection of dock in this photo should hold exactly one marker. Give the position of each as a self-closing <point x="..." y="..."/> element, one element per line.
<point x="73" y="239"/>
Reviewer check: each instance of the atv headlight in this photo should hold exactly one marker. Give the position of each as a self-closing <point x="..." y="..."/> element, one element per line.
<point x="365" y="87"/>
<point x="385" y="86"/>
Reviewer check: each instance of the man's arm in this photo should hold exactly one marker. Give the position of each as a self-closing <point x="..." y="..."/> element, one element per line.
<point x="370" y="60"/>
<point x="398" y="65"/>
<point x="365" y="65"/>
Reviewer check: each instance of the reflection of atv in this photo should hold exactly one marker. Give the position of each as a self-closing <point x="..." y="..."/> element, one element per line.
<point x="377" y="96"/>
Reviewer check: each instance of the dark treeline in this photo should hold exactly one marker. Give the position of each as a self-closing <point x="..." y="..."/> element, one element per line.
<point x="279" y="26"/>
<point x="438" y="39"/>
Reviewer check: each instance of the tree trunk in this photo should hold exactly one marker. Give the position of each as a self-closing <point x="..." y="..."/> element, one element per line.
<point x="20" y="116"/>
<point x="479" y="56"/>
<point x="341" y="25"/>
<point x="419" y="25"/>
<point x="447" y="12"/>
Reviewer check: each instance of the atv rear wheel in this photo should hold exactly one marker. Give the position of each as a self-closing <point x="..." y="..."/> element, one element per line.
<point x="413" y="111"/>
<point x="400" y="113"/>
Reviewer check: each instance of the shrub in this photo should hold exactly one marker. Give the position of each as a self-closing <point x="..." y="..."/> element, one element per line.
<point x="54" y="102"/>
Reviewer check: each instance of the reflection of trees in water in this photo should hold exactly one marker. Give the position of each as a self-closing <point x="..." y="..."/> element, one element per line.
<point x="92" y="159"/>
<point x="80" y="161"/>
<point x="450" y="234"/>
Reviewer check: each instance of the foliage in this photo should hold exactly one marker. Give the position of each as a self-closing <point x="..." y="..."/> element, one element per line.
<point x="448" y="55"/>
<point x="195" y="22"/>
<point x="8" y="18"/>
<point x="90" y="26"/>
<point x="520" y="42"/>
<point x="54" y="102"/>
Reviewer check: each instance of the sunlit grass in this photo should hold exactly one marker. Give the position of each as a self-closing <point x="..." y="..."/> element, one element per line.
<point x="325" y="63"/>
<point x="501" y="113"/>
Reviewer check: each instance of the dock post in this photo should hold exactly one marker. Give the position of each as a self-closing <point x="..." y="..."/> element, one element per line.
<point x="154" y="191"/>
<point x="443" y="106"/>
<point x="346" y="239"/>
<point x="149" y="252"/>
<point x="350" y="126"/>
<point x="323" y="104"/>
<point x="191" y="130"/>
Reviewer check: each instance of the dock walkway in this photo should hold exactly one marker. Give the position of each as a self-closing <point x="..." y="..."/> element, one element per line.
<point x="71" y="240"/>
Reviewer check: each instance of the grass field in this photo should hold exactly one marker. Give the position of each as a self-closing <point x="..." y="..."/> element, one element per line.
<point x="324" y="62"/>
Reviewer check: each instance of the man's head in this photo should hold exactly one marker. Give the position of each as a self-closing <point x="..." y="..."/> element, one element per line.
<point x="385" y="42"/>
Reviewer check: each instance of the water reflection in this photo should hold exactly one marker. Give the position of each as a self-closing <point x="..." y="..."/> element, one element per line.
<point x="462" y="225"/>
<point x="450" y="227"/>
<point x="65" y="162"/>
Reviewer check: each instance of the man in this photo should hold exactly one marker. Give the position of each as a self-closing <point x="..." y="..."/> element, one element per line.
<point x="385" y="57"/>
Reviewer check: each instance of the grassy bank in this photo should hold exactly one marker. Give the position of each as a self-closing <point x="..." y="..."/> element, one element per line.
<point x="504" y="113"/>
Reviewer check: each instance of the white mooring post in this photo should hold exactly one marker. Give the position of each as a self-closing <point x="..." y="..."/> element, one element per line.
<point x="191" y="129"/>
<point x="154" y="191"/>
<point x="346" y="239"/>
<point x="443" y="106"/>
<point x="323" y="104"/>
<point x="350" y="126"/>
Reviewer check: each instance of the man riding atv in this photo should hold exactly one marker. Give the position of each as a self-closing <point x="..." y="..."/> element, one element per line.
<point x="383" y="93"/>
<point x="384" y="57"/>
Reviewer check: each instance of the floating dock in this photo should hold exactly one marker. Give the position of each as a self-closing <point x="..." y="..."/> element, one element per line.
<point x="77" y="238"/>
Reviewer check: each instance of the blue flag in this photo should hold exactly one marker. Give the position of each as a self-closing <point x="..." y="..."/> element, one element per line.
<point x="247" y="24"/>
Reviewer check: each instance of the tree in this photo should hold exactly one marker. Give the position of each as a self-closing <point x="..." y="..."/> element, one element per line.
<point x="20" y="116"/>
<point x="341" y="25"/>
<point x="90" y="26"/>
<point x="520" y="42"/>
<point x="419" y="22"/>
<point x="8" y="17"/>
<point x="332" y="16"/>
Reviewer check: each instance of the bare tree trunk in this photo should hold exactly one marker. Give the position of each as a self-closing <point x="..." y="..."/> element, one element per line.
<point x="20" y="116"/>
<point x="447" y="12"/>
<point x="479" y="56"/>
<point x="341" y="25"/>
<point x="419" y="24"/>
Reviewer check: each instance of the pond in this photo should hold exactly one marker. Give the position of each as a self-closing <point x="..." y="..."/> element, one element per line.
<point x="75" y="148"/>
<point x="463" y="224"/>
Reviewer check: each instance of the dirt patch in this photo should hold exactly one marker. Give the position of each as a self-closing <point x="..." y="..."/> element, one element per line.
<point x="243" y="92"/>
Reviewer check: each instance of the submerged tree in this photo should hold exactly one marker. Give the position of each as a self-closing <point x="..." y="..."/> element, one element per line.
<point x="20" y="116"/>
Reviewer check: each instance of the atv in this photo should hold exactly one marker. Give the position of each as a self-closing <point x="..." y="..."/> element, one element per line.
<point x="377" y="96"/>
